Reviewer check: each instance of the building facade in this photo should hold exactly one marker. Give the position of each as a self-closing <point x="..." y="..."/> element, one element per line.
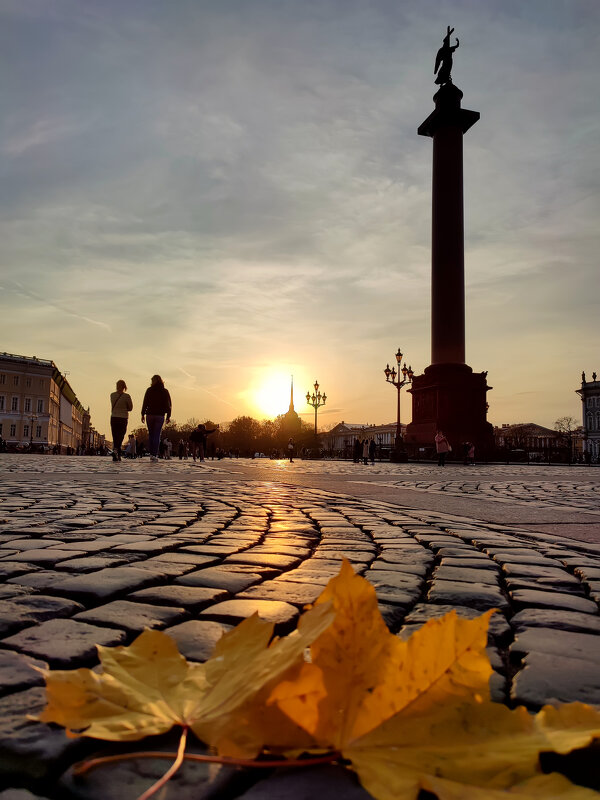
<point x="530" y="442"/>
<point x="339" y="441"/>
<point x="590" y="409"/>
<point x="38" y="408"/>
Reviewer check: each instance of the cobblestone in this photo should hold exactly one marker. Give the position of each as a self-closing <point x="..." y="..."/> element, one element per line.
<point x="92" y="552"/>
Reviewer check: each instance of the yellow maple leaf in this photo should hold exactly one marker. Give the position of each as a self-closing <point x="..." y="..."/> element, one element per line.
<point x="143" y="689"/>
<point x="542" y="787"/>
<point x="417" y="714"/>
<point x="361" y="674"/>
<point x="477" y="745"/>
<point x="148" y="687"/>
<point x="240" y="675"/>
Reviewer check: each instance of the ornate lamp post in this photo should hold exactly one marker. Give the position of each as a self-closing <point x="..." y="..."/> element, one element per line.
<point x="316" y="400"/>
<point x="33" y="418"/>
<point x="399" y="453"/>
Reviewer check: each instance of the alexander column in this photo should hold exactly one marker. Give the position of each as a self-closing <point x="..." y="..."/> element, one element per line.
<point x="449" y="396"/>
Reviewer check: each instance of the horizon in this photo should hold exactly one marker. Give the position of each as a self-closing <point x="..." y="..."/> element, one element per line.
<point x="228" y="196"/>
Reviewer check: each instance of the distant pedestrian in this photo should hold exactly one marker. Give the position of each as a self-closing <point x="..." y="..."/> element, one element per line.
<point x="372" y="448"/>
<point x="121" y="405"/>
<point x="365" y="451"/>
<point x="290" y="447"/>
<point x="466" y="446"/>
<point x="471" y="454"/>
<point x="157" y="404"/>
<point x="356" y="450"/>
<point x="442" y="446"/>
<point x="130" y="449"/>
<point x="198" y="439"/>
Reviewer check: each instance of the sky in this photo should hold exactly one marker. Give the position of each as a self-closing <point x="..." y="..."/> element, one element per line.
<point x="229" y="192"/>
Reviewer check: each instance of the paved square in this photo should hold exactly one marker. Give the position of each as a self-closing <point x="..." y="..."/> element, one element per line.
<point x="93" y="552"/>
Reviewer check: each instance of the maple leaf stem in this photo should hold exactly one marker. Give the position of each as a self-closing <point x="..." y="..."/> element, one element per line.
<point x="92" y="763"/>
<point x="171" y="771"/>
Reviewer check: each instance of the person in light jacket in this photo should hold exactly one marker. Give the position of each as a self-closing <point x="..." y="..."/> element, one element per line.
<point x="442" y="446"/>
<point x="365" y="451"/>
<point x="157" y="404"/>
<point x="121" y="405"/>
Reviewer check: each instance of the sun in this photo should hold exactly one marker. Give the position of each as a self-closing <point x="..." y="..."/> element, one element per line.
<point x="272" y="394"/>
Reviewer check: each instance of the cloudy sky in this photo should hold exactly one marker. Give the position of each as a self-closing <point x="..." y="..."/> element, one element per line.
<point x="230" y="191"/>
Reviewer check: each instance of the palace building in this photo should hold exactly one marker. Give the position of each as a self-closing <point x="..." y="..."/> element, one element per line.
<point x="590" y="400"/>
<point x="39" y="409"/>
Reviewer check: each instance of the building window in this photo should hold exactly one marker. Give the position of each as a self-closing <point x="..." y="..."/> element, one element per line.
<point x="2" y="379"/>
<point x="2" y="402"/>
<point x="28" y="382"/>
<point x="38" y="431"/>
<point x="13" y="430"/>
<point x="41" y="383"/>
<point x="16" y="380"/>
<point x="27" y="404"/>
<point x="14" y="406"/>
<point x="40" y="406"/>
<point x="0" y="429"/>
<point x="25" y="430"/>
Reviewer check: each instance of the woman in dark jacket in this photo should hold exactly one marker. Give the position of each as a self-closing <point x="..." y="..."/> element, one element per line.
<point x="157" y="403"/>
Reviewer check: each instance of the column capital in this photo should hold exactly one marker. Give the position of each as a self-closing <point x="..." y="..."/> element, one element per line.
<point x="448" y="112"/>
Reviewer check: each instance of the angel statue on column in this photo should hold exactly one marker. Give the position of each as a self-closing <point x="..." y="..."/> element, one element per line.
<point x="443" y="60"/>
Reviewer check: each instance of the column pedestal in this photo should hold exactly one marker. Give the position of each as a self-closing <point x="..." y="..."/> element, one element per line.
<point x="450" y="398"/>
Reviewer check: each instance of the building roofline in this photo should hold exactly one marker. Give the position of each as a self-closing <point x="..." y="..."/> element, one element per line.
<point x="27" y="359"/>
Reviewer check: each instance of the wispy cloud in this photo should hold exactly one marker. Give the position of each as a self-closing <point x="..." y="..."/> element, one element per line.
<point x="15" y="288"/>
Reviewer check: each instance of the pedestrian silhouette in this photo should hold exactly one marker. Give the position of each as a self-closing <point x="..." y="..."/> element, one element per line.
<point x="121" y="405"/>
<point x="157" y="404"/>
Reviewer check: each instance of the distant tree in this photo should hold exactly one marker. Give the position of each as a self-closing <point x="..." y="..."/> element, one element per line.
<point x="242" y="434"/>
<point x="565" y="427"/>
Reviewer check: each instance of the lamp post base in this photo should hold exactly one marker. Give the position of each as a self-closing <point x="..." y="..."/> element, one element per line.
<point x="398" y="456"/>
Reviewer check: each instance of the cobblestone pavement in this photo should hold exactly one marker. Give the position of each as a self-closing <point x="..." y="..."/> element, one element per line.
<point x="92" y="552"/>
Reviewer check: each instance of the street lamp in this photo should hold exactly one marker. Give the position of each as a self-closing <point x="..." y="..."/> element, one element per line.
<point x="316" y="400"/>
<point x="33" y="418"/>
<point x="399" y="453"/>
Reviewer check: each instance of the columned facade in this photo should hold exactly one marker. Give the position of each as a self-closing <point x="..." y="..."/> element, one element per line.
<point x="590" y="409"/>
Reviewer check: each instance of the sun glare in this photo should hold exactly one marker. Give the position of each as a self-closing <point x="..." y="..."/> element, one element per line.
<point x="272" y="395"/>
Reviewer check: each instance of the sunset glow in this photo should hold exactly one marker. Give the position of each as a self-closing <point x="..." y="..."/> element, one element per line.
<point x="272" y="395"/>
<point x="227" y="193"/>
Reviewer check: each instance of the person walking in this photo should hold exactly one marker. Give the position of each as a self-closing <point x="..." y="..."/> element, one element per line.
<point x="130" y="449"/>
<point x="198" y="438"/>
<point x="290" y="448"/>
<point x="466" y="446"/>
<point x="442" y="446"/>
<point x="471" y="454"/>
<point x="121" y="405"/>
<point x="372" y="448"/>
<point x="365" y="451"/>
<point x="156" y="404"/>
